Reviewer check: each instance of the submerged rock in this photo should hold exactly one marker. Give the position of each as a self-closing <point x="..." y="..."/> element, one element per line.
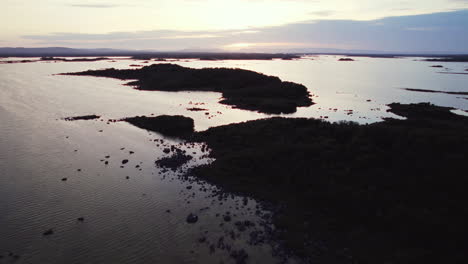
<point x="192" y="218"/>
<point x="48" y="232"/>
<point x="174" y="162"/>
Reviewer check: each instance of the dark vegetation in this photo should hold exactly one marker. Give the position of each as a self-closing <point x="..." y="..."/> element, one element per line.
<point x="215" y="56"/>
<point x="463" y="73"/>
<point x="389" y="192"/>
<point x="345" y="59"/>
<point x="175" y="161"/>
<point x="240" y="88"/>
<point x="17" y="61"/>
<point x="85" y="117"/>
<point x="196" y="109"/>
<point x="173" y="126"/>
<point x="434" y="91"/>
<point x="454" y="58"/>
<point x="73" y="60"/>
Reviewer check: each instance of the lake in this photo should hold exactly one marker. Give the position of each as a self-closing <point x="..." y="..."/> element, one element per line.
<point x="136" y="212"/>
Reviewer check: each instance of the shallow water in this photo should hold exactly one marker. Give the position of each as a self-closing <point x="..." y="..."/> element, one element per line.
<point x="126" y="220"/>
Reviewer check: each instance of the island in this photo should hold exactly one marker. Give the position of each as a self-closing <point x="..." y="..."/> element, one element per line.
<point x="392" y="191"/>
<point x="240" y="88"/>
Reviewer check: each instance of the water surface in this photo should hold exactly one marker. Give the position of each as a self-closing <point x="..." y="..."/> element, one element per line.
<point x="127" y="220"/>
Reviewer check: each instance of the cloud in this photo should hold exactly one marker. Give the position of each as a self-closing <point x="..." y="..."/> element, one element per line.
<point x="94" y="5"/>
<point x="420" y="33"/>
<point x="323" y="13"/>
<point x="423" y="28"/>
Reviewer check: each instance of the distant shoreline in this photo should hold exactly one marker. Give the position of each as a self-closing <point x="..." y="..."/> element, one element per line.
<point x="209" y="55"/>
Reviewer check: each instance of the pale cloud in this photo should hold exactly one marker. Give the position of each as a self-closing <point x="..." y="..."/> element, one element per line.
<point x="94" y="5"/>
<point x="201" y="36"/>
<point x="422" y="33"/>
<point x="122" y="21"/>
<point x="322" y="13"/>
<point x="423" y="28"/>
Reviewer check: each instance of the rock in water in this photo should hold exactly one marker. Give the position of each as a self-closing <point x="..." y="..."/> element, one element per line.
<point x="192" y="218"/>
<point x="48" y="232"/>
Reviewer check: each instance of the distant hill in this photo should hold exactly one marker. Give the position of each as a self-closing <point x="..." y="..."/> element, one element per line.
<point x="61" y="51"/>
<point x="203" y="53"/>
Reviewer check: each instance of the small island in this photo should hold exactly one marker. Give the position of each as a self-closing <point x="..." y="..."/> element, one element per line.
<point x="434" y="91"/>
<point x="454" y="58"/>
<point x="240" y="88"/>
<point x="173" y="126"/>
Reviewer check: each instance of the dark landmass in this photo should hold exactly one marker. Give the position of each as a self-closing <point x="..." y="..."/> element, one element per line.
<point x="453" y="73"/>
<point x="240" y="88"/>
<point x="61" y="52"/>
<point x="55" y="59"/>
<point x="86" y="117"/>
<point x="73" y="60"/>
<point x="175" y="161"/>
<point x="437" y="66"/>
<point x="454" y="58"/>
<point x="208" y="55"/>
<point x="195" y="109"/>
<point x="382" y="56"/>
<point x="389" y="192"/>
<point x="140" y="54"/>
<point x="173" y="126"/>
<point x="17" y="61"/>
<point x="215" y="56"/>
<point x="434" y="91"/>
<point x="345" y="59"/>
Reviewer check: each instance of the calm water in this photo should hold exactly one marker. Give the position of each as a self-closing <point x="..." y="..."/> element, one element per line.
<point x="126" y="220"/>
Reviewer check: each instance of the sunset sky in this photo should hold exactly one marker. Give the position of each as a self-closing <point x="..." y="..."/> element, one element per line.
<point x="414" y="25"/>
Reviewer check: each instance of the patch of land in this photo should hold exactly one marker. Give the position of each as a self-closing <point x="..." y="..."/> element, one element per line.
<point x="84" y="59"/>
<point x="85" y="117"/>
<point x="175" y="161"/>
<point x="215" y="56"/>
<point x="389" y="192"/>
<point x="434" y="91"/>
<point x="73" y="60"/>
<point x="453" y="73"/>
<point x="17" y="61"/>
<point x="173" y="126"/>
<point x="196" y="109"/>
<point x="346" y="59"/>
<point x="454" y="58"/>
<point x="240" y="88"/>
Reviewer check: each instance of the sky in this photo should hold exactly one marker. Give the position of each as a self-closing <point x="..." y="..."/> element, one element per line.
<point x="238" y="25"/>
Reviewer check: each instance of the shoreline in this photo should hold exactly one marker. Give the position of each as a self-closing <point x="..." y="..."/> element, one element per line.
<point x="333" y="184"/>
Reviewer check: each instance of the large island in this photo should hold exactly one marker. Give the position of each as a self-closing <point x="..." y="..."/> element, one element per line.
<point x="388" y="192"/>
<point x="240" y="88"/>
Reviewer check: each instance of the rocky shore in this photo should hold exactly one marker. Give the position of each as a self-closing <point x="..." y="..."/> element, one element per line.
<point x="389" y="192"/>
